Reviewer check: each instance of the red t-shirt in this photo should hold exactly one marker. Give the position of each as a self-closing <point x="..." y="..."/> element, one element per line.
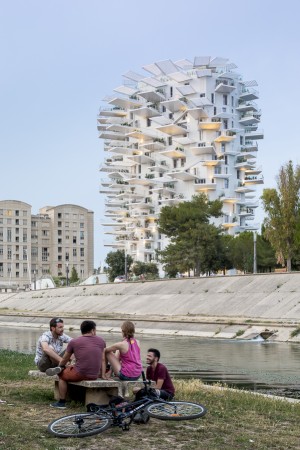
<point x="88" y="352"/>
<point x="161" y="373"/>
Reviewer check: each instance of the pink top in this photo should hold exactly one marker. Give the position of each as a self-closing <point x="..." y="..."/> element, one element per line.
<point x="131" y="364"/>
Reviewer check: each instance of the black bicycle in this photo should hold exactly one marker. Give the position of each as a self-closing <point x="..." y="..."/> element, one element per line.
<point x="121" y="414"/>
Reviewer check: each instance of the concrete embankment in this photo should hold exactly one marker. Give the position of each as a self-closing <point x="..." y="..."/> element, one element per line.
<point x="241" y="307"/>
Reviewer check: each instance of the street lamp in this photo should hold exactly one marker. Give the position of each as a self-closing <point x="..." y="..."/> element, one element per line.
<point x="34" y="280"/>
<point x="67" y="273"/>
<point x="125" y="265"/>
<point x="254" y="253"/>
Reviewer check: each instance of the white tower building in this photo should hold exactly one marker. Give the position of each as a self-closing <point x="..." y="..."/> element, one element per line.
<point x="182" y="129"/>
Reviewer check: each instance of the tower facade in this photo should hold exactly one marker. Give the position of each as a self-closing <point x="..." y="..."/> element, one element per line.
<point x="181" y="129"/>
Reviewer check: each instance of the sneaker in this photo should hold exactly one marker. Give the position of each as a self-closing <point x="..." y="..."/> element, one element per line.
<point x="53" y="371"/>
<point x="60" y="405"/>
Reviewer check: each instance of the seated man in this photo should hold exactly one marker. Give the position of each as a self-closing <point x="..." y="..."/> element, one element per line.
<point x="159" y="373"/>
<point x="89" y="354"/>
<point x="50" y="344"/>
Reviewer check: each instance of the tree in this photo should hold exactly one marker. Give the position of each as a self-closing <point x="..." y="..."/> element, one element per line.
<point x="282" y="208"/>
<point x="74" y="276"/>
<point x="116" y="264"/>
<point x="150" y="270"/>
<point x="242" y="249"/>
<point x="193" y="240"/>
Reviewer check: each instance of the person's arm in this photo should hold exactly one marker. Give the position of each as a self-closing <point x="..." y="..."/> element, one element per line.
<point x="50" y="352"/>
<point x="65" y="359"/>
<point x="103" y="366"/>
<point x="159" y="383"/>
<point x="121" y="346"/>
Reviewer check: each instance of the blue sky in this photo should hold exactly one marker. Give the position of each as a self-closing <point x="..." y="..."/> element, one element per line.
<point x="61" y="58"/>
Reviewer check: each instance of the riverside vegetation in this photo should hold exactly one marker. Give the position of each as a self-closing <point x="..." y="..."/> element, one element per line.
<point x="235" y="420"/>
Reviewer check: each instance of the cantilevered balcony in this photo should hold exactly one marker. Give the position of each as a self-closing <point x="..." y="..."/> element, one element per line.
<point x="182" y="175"/>
<point x="145" y="111"/>
<point x="176" y="152"/>
<point x="253" y="179"/>
<point x="112" y="135"/>
<point x="153" y="96"/>
<point x="153" y="146"/>
<point x="112" y="112"/>
<point x="205" y="184"/>
<point x="249" y="146"/>
<point x="174" y="105"/>
<point x="249" y="118"/>
<point x="224" y="86"/>
<point x="204" y="148"/>
<point x="247" y="106"/>
<point x="197" y="113"/>
<point x="230" y="221"/>
<point x="172" y="129"/>
<point x="214" y="125"/>
<point x="126" y="103"/>
<point x="225" y="136"/>
<point x="249" y="94"/>
<point x="251" y="134"/>
<point x="246" y="212"/>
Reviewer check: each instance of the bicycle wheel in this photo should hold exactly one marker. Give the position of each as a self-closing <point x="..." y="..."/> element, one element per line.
<point x="79" y="425"/>
<point x="175" y="410"/>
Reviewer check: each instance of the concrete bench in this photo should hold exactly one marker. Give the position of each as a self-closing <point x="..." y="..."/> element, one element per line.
<point x="96" y="391"/>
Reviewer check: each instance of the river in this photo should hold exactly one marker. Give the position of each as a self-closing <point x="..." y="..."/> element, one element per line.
<point x="265" y="366"/>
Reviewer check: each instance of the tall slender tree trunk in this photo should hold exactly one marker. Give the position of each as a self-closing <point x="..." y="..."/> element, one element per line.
<point x="289" y="264"/>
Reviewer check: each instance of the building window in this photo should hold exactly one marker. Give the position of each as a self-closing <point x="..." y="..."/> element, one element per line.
<point x="59" y="249"/>
<point x="17" y="222"/>
<point x="33" y="224"/>
<point x="17" y="212"/>
<point x="24" y="237"/>
<point x="82" y="252"/>
<point x="59" y="232"/>
<point x="1" y="269"/>
<point x="59" y="215"/>
<point x="45" y="254"/>
<point x="224" y="99"/>
<point x="24" y="213"/>
<point x="9" y="253"/>
<point x="213" y="98"/>
<point x="25" y="222"/>
<point x="1" y="250"/>
<point x="34" y="251"/>
<point x="59" y="224"/>
<point x="74" y="239"/>
<point x="81" y="225"/>
<point x="74" y="251"/>
<point x="8" y="234"/>
<point x="67" y="256"/>
<point x="81" y="235"/>
<point x="59" y="240"/>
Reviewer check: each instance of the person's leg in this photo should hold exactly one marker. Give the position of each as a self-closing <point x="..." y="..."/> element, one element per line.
<point x="67" y="374"/>
<point x="114" y="363"/>
<point x="46" y="363"/>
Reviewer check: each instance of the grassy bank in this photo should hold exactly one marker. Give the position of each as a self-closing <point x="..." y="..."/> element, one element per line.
<point x="234" y="420"/>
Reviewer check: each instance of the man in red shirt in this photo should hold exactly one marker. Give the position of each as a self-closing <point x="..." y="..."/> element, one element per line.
<point x="89" y="352"/>
<point x="159" y="373"/>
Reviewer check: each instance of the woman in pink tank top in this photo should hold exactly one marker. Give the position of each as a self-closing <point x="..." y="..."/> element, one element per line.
<point x="125" y="356"/>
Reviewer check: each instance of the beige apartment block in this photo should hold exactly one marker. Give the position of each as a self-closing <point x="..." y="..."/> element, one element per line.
<point x="51" y="242"/>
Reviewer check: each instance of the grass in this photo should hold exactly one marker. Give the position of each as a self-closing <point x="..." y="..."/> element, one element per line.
<point x="295" y="332"/>
<point x="235" y="420"/>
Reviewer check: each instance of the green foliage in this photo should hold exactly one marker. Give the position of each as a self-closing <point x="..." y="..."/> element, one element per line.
<point x="194" y="242"/>
<point x="116" y="264"/>
<point x="282" y="223"/>
<point x="74" y="275"/>
<point x="148" y="269"/>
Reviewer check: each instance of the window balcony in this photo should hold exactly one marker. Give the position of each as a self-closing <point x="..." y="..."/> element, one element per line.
<point x="224" y="86"/>
<point x="249" y="94"/>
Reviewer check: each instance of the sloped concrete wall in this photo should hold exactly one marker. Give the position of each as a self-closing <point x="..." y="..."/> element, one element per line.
<point x="252" y="298"/>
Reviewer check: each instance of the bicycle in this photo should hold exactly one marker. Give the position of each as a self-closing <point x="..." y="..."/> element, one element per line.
<point x="121" y="414"/>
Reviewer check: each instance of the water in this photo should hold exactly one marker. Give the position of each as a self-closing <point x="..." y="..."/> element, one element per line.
<point x="253" y="365"/>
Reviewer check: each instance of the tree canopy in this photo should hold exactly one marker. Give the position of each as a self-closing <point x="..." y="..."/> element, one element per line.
<point x="281" y="205"/>
<point x="194" y="242"/>
<point x="116" y="264"/>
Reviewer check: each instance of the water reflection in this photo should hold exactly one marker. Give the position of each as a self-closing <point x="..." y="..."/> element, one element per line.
<point x="252" y="364"/>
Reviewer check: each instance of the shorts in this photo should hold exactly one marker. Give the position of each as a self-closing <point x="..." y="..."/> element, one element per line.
<point x="125" y="378"/>
<point x="71" y="374"/>
<point x="46" y="362"/>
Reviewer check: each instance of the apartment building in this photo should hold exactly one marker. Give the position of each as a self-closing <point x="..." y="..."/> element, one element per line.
<point x="178" y="129"/>
<point x="53" y="241"/>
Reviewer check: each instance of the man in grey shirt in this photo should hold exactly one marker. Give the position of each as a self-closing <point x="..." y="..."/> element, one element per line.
<point x="49" y="350"/>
